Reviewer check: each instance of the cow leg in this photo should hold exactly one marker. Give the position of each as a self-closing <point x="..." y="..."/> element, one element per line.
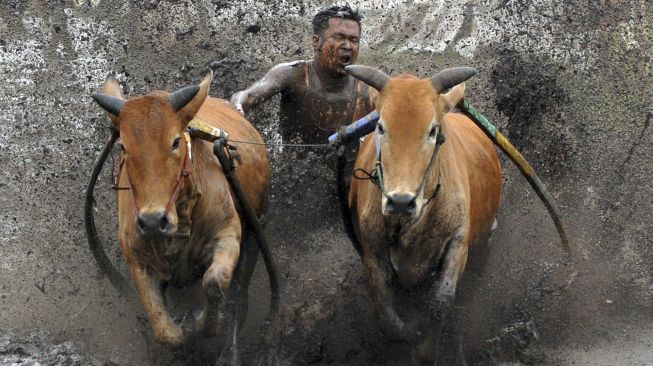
<point x="441" y="297"/>
<point x="149" y="289"/>
<point x="236" y="309"/>
<point x="216" y="282"/>
<point x="379" y="276"/>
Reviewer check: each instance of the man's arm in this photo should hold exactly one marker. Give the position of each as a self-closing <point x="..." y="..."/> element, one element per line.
<point x="275" y="81"/>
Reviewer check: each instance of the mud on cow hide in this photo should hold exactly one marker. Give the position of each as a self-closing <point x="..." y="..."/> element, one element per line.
<point x="437" y="193"/>
<point x="178" y="219"/>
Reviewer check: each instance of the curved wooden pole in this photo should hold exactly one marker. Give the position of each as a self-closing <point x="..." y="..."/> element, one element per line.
<point x="526" y="169"/>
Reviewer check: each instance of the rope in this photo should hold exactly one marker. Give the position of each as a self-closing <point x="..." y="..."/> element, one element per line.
<point x="372" y="176"/>
<point x="285" y="145"/>
<point x="106" y="267"/>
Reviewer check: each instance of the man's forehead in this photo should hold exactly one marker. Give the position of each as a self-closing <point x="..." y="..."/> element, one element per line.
<point x="337" y="24"/>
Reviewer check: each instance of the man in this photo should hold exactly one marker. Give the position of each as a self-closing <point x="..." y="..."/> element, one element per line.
<point x="317" y="96"/>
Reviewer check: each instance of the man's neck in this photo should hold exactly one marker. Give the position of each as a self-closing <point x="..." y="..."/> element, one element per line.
<point x="332" y="82"/>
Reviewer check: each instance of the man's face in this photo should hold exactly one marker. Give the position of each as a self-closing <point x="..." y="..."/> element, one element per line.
<point x="337" y="46"/>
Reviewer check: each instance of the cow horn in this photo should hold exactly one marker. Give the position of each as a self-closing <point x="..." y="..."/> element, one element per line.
<point x="449" y="78"/>
<point x="369" y="75"/>
<point x="111" y="104"/>
<point x="181" y="97"/>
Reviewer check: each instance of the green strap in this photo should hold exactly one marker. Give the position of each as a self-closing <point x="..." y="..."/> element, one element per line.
<point x="477" y="117"/>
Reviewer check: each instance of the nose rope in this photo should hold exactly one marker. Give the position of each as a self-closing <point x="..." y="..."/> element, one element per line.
<point x="438" y="143"/>
<point x="185" y="172"/>
<point x="376" y="175"/>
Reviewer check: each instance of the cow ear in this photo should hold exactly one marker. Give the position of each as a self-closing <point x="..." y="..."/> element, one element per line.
<point x="112" y="87"/>
<point x="450" y="100"/>
<point x="187" y="101"/>
<point x="111" y="98"/>
<point x="375" y="98"/>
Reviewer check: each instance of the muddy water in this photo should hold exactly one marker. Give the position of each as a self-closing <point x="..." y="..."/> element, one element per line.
<point x="564" y="81"/>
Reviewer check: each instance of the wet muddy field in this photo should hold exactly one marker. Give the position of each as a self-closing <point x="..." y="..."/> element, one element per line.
<point x="567" y="82"/>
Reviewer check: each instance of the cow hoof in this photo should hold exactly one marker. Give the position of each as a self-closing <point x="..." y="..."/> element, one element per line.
<point x="173" y="338"/>
<point x="205" y="328"/>
<point x="186" y="322"/>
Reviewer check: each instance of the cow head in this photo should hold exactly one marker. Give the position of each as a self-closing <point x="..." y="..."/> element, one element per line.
<point x="411" y="112"/>
<point x="154" y="147"/>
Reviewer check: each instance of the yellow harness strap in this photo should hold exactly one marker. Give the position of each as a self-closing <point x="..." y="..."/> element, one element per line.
<point x="202" y="130"/>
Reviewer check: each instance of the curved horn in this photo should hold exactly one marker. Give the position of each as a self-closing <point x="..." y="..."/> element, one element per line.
<point x="369" y="75"/>
<point x="111" y="104"/>
<point x="448" y="78"/>
<point x="181" y="97"/>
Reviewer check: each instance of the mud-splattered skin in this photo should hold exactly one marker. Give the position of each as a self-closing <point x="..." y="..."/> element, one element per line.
<point x="196" y="235"/>
<point x="409" y="241"/>
<point x="317" y="96"/>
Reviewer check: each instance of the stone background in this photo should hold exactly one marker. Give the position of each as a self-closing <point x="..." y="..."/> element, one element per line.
<point x="568" y="82"/>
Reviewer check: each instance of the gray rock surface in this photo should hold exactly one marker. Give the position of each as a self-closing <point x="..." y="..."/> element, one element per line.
<point x="568" y="82"/>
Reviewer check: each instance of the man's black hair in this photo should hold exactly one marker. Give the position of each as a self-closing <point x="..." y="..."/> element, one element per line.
<point x="321" y="19"/>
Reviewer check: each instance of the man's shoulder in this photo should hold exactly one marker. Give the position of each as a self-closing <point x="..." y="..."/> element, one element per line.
<point x="288" y="75"/>
<point x="294" y="63"/>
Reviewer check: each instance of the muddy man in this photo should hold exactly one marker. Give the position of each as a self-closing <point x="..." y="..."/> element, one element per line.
<point x="317" y="96"/>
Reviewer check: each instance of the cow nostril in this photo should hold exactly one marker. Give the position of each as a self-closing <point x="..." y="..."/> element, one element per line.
<point x="141" y="223"/>
<point x="164" y="222"/>
<point x="402" y="203"/>
<point x="390" y="203"/>
<point x="152" y="224"/>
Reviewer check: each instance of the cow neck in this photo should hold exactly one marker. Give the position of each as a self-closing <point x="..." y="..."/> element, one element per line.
<point x="379" y="170"/>
<point x="185" y="173"/>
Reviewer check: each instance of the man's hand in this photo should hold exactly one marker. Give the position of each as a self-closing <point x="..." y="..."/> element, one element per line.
<point x="235" y="100"/>
<point x="275" y="81"/>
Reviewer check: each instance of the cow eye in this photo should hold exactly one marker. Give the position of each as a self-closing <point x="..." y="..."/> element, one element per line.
<point x="175" y="144"/>
<point x="121" y="147"/>
<point x="433" y="131"/>
<point x="380" y="128"/>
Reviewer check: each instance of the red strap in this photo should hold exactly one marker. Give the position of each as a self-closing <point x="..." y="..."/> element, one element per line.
<point x="185" y="172"/>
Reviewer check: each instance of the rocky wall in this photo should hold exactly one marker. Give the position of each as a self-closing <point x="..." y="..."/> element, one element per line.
<point x="567" y="82"/>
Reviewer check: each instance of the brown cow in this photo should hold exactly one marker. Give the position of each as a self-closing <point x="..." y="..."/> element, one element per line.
<point x="433" y="199"/>
<point x="177" y="219"/>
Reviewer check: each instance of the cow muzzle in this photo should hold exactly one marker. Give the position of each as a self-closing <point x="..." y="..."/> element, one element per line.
<point x="154" y="225"/>
<point x="400" y="203"/>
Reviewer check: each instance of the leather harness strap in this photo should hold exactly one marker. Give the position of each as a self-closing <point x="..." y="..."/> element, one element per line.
<point x="185" y="172"/>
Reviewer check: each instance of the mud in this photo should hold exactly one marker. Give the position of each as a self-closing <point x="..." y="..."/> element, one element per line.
<point x="568" y="83"/>
<point x="37" y="349"/>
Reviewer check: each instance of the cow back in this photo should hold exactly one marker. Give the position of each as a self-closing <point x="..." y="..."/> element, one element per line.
<point x="253" y="169"/>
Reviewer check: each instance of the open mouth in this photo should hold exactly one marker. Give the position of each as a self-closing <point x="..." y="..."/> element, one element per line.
<point x="345" y="59"/>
